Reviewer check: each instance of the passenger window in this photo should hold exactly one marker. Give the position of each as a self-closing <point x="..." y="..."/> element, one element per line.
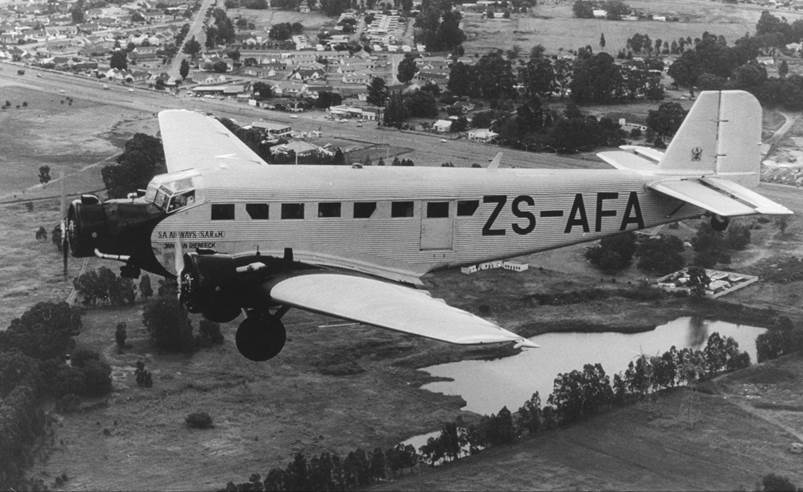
<point x="467" y="207"/>
<point x="292" y="210"/>
<point x="401" y="209"/>
<point x="436" y="210"/>
<point x="329" y="209"/>
<point x="364" y="210"/>
<point x="222" y="211"/>
<point x="257" y="211"/>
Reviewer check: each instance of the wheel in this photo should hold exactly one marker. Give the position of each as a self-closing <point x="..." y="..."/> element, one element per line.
<point x="260" y="338"/>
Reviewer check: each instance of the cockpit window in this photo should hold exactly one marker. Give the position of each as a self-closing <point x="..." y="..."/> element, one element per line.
<point x="162" y="198"/>
<point x="182" y="200"/>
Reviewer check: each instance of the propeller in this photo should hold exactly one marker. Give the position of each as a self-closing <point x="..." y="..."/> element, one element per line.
<point x="179" y="265"/>
<point x="63" y="225"/>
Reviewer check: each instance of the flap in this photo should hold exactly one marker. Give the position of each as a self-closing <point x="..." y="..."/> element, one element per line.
<point x="195" y="141"/>
<point x="627" y="160"/>
<point x="389" y="306"/>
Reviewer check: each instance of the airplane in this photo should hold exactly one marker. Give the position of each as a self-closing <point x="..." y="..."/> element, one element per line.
<point x="353" y="242"/>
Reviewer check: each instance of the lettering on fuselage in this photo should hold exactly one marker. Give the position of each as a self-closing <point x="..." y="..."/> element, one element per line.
<point x="523" y="209"/>
<point x="191" y="234"/>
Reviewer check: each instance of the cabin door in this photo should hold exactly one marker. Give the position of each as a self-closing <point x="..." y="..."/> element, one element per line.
<point x="437" y="225"/>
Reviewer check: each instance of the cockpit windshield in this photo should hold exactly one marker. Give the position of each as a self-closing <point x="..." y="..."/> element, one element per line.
<point x="171" y="194"/>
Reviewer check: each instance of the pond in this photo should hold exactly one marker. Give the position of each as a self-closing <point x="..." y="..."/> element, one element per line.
<point x="487" y="386"/>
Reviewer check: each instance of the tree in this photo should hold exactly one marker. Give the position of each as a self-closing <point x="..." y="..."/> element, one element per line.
<point x="192" y="47"/>
<point x="783" y="69"/>
<point x="667" y="119"/>
<point x="538" y="77"/>
<point x="602" y="40"/>
<point x="494" y="76"/>
<point x="184" y="69"/>
<point x="120" y="336"/>
<point x="44" y="331"/>
<point x="462" y="80"/>
<point x="118" y="60"/>
<point x="141" y="160"/>
<point x="685" y="70"/>
<point x="143" y="376"/>
<point x="596" y="79"/>
<point x="333" y="8"/>
<point x="220" y="66"/>
<point x="145" y="288"/>
<point x="262" y="91"/>
<point x="168" y="325"/>
<point x="421" y="104"/>
<point x="395" y="110"/>
<point x="377" y="92"/>
<point x="198" y="420"/>
<point x="529" y="415"/>
<point x="583" y="9"/>
<point x="660" y="255"/>
<point x="698" y="281"/>
<point x="77" y="12"/>
<point x="613" y="252"/>
<point x="44" y="174"/>
<point x="407" y="69"/>
<point x="773" y="482"/>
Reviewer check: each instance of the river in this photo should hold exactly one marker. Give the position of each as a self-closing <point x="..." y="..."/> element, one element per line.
<point x="487" y="386"/>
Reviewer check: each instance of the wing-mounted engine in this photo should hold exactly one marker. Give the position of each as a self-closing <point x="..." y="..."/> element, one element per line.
<point x="221" y="286"/>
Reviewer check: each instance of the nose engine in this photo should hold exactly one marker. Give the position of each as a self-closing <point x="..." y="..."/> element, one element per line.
<point x="87" y="227"/>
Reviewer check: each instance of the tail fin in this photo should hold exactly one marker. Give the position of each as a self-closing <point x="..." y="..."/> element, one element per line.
<point x="721" y="135"/>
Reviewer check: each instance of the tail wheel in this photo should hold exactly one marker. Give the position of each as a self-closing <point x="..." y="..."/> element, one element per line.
<point x="260" y="337"/>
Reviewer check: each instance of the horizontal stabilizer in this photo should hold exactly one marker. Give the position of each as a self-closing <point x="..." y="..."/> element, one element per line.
<point x="391" y="306"/>
<point x="648" y="152"/>
<point x="720" y="197"/>
<point x="627" y="160"/>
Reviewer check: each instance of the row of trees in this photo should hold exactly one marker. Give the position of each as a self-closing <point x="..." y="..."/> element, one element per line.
<point x="32" y="366"/>
<point x="663" y="254"/>
<point x="222" y="32"/>
<point x="576" y="395"/>
<point x="102" y="286"/>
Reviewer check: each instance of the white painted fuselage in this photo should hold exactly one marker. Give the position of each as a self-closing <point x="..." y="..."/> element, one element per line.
<point x="408" y="221"/>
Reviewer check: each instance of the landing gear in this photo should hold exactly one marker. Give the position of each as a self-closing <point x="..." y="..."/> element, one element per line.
<point x="261" y="336"/>
<point x="718" y="223"/>
<point x="222" y="307"/>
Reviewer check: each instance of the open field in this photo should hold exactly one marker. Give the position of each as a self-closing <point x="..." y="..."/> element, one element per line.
<point x="727" y="442"/>
<point x="264" y="19"/>
<point x="555" y="27"/>
<point x="51" y="131"/>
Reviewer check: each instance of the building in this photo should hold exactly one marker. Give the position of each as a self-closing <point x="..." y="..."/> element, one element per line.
<point x="442" y="126"/>
<point x="272" y="131"/>
<point x="482" y="135"/>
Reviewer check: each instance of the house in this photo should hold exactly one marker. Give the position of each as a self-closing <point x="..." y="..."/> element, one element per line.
<point x="300" y="148"/>
<point x="442" y="126"/>
<point x="482" y="135"/>
<point x="272" y="131"/>
<point x="599" y="13"/>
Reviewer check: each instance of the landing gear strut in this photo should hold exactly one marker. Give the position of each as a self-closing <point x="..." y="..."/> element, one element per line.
<point x="718" y="223"/>
<point x="261" y="335"/>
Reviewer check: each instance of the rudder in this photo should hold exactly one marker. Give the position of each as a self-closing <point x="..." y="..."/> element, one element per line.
<point x="721" y="135"/>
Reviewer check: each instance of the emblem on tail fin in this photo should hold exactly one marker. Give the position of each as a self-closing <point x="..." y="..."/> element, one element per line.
<point x="696" y="153"/>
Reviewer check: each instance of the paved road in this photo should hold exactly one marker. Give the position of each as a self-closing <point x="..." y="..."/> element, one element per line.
<point x="423" y="148"/>
<point x="196" y="31"/>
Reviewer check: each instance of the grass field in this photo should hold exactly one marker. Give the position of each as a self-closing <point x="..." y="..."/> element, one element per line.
<point x="51" y="131"/>
<point x="555" y="27"/>
<point x="678" y="441"/>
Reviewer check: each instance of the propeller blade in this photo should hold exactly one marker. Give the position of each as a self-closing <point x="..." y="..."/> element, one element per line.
<point x="179" y="259"/>
<point x="63" y="224"/>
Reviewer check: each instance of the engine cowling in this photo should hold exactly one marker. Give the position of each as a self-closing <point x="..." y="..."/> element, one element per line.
<point x="207" y="285"/>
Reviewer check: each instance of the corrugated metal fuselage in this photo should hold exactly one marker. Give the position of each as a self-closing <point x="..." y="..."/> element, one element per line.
<point x="459" y="215"/>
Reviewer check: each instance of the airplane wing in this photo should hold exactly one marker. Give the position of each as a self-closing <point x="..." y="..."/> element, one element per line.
<point x="719" y="196"/>
<point x="391" y="306"/>
<point x="195" y="141"/>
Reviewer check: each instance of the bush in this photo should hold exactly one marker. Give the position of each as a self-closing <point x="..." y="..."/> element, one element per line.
<point x="613" y="253"/>
<point x="144" y="379"/>
<point x="68" y="403"/>
<point x="168" y="325"/>
<point x="199" y="420"/>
